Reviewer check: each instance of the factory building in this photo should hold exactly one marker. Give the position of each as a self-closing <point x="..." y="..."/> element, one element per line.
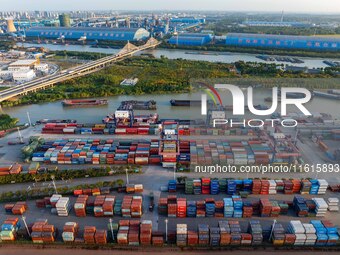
<point x="22" y="65"/>
<point x="10" y="26"/>
<point x="283" y="41"/>
<point x="23" y="76"/>
<point x="64" y="20"/>
<point x="41" y="68"/>
<point x="190" y="39"/>
<point x="188" y="20"/>
<point x="276" y="24"/>
<point x="90" y="33"/>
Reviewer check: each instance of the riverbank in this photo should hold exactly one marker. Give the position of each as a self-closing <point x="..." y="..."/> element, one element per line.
<point x="222" y="57"/>
<point x="253" y="50"/>
<point x="156" y="76"/>
<point x="7" y="122"/>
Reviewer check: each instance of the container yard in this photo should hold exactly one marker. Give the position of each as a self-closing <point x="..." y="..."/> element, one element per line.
<point x="220" y="222"/>
<point x="168" y="151"/>
<point x="194" y="212"/>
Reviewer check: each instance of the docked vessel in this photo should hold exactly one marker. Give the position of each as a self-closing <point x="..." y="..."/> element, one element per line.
<point x="327" y="95"/>
<point x="85" y="102"/>
<point x="175" y="102"/>
<point x="138" y="105"/>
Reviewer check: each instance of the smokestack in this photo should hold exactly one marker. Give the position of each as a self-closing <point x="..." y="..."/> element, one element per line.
<point x="10" y="26"/>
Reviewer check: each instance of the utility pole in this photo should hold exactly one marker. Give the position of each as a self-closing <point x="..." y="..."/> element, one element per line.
<point x="127" y="176"/>
<point x="29" y="119"/>
<point x="296" y="135"/>
<point x="55" y="187"/>
<point x="21" y="140"/>
<point x="175" y="172"/>
<point x="166" y="230"/>
<point x="113" y="238"/>
<point x="271" y="233"/>
<point x="24" y="220"/>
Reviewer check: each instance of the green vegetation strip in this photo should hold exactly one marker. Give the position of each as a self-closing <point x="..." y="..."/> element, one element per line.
<point x="6" y="122"/>
<point x="156" y="76"/>
<point x="254" y="50"/>
<point x="36" y="193"/>
<point x="67" y="174"/>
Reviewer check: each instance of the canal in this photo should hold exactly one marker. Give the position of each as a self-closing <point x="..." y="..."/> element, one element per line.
<point x="224" y="57"/>
<point x="55" y="110"/>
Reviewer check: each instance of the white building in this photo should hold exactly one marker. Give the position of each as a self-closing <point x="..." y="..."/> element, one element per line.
<point x="16" y="53"/>
<point x="23" y="76"/>
<point x="19" y="68"/>
<point x="22" y="65"/>
<point x="41" y="68"/>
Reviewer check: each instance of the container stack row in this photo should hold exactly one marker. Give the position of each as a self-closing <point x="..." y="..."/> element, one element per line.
<point x="236" y="207"/>
<point x="98" y="206"/>
<point x="42" y="232"/>
<point x="9" y="229"/>
<point x="10" y="169"/>
<point x="99" y="129"/>
<point x="96" y="151"/>
<point x="18" y="208"/>
<point x="257" y="186"/>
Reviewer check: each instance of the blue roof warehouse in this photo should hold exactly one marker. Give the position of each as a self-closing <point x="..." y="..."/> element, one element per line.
<point x="108" y="34"/>
<point x="191" y="39"/>
<point x="283" y="41"/>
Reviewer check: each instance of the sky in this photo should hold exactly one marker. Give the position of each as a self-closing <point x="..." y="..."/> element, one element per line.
<point x="305" y="6"/>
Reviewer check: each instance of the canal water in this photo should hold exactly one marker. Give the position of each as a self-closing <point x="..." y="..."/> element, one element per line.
<point x="55" y="110"/>
<point x="224" y="57"/>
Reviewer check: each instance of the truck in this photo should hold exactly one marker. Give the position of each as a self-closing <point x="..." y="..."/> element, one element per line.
<point x="152" y="203"/>
<point x="33" y="167"/>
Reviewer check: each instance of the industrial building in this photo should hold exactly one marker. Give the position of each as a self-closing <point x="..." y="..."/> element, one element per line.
<point x="23" y="70"/>
<point x="283" y="41"/>
<point x="22" y="65"/>
<point x="188" y="20"/>
<point x="10" y="26"/>
<point x="276" y="24"/>
<point x="23" y="76"/>
<point x="65" y="20"/>
<point x="90" y="33"/>
<point x="190" y="39"/>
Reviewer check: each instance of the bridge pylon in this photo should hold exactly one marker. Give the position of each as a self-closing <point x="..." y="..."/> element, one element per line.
<point x="127" y="48"/>
<point x="152" y="41"/>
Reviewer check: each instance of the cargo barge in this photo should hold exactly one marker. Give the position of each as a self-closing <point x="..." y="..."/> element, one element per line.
<point x="207" y="53"/>
<point x="327" y="95"/>
<point x="334" y="91"/>
<point x="331" y="63"/>
<point x="137" y="105"/>
<point x="187" y="103"/>
<point x="84" y="102"/>
<point x="280" y="59"/>
<point x="176" y="102"/>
